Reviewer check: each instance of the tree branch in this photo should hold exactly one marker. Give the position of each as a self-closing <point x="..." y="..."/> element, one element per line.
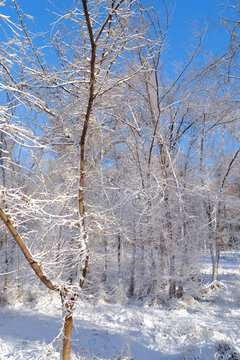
<point x="34" y="265"/>
<point x="229" y="167"/>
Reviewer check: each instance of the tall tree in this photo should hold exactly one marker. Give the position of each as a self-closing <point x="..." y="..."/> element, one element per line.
<point x="78" y="98"/>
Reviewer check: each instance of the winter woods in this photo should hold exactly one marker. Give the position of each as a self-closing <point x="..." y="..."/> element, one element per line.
<point x="115" y="176"/>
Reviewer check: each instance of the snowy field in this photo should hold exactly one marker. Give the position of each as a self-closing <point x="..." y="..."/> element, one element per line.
<point x="206" y="327"/>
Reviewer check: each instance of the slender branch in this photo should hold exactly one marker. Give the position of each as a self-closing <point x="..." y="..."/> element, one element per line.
<point x="26" y="33"/>
<point x="229" y="167"/>
<point x="107" y="20"/>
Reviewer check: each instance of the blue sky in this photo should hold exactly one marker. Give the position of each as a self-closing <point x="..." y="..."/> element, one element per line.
<point x="186" y="14"/>
<point x="180" y="36"/>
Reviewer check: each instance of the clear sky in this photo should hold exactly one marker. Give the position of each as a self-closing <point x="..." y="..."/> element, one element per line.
<point x="180" y="35"/>
<point x="186" y="14"/>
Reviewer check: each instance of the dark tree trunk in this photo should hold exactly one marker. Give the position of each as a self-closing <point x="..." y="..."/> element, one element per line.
<point x="132" y="279"/>
<point x="172" y="281"/>
<point x="119" y="254"/>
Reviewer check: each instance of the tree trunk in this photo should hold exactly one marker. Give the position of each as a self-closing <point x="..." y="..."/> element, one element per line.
<point x="151" y="248"/>
<point x="215" y="255"/>
<point x="132" y="279"/>
<point x="104" y="276"/>
<point x="6" y="265"/>
<point x="214" y="245"/>
<point x="184" y="261"/>
<point x="163" y="255"/>
<point x="67" y="336"/>
<point x="119" y="254"/>
<point x="68" y="303"/>
<point x="3" y="145"/>
<point x="153" y="269"/>
<point x="172" y="282"/>
<point x="142" y="252"/>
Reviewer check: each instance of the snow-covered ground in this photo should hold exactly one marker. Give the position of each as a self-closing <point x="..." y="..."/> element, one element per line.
<point x="204" y="328"/>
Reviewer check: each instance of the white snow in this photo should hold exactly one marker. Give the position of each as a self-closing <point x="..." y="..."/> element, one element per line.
<point x="184" y="329"/>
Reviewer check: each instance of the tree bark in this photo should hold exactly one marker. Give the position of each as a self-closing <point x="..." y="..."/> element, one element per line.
<point x="132" y="278"/>
<point x="215" y="255"/>
<point x="67" y="337"/>
<point x="104" y="277"/>
<point x="67" y="324"/>
<point x="172" y="281"/>
<point x="119" y="254"/>
<point x="6" y="265"/>
<point x="3" y="144"/>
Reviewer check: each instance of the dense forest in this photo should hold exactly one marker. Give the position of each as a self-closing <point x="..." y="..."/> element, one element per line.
<point x="117" y="175"/>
